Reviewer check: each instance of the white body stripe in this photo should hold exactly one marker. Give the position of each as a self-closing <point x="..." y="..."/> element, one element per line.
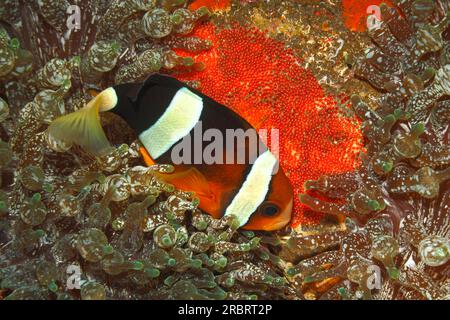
<point x="254" y="189"/>
<point x="177" y="121"/>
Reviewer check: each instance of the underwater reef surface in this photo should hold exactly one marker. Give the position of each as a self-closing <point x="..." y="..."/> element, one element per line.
<point x="370" y="227"/>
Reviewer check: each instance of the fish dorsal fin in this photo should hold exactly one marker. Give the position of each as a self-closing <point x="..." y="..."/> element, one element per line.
<point x="191" y="180"/>
<point x="154" y="79"/>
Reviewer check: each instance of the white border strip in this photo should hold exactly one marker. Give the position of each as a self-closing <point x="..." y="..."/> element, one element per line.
<point x="254" y="189"/>
<point x="177" y="121"/>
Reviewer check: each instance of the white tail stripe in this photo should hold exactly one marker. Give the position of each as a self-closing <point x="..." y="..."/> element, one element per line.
<point x="254" y="189"/>
<point x="177" y="121"/>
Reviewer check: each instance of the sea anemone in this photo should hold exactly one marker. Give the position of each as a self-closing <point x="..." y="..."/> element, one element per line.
<point x="396" y="203"/>
<point x="75" y="226"/>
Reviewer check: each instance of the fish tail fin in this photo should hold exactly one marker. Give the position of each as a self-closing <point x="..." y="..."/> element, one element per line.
<point x="83" y="126"/>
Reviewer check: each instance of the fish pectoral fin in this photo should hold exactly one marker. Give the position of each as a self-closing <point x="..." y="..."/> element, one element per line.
<point x="191" y="180"/>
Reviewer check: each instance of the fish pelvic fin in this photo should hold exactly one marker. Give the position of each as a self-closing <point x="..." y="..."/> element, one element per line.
<point x="83" y="126"/>
<point x="192" y="179"/>
<point x="146" y="156"/>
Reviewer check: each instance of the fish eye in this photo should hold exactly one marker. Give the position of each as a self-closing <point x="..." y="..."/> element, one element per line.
<point x="269" y="209"/>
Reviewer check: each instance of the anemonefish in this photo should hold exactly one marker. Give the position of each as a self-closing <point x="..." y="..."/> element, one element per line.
<point x="162" y="111"/>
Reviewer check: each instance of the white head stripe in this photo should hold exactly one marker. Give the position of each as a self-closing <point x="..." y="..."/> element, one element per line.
<point x="254" y="189"/>
<point x="176" y="122"/>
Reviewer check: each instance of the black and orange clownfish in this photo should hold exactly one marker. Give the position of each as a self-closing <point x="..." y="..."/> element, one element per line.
<point x="163" y="111"/>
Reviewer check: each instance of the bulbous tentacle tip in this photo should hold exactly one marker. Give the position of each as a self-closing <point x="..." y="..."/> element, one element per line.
<point x="349" y="59"/>
<point x="14" y="44"/>
<point x="108" y="249"/>
<point x="308" y="185"/>
<point x="374" y="205"/>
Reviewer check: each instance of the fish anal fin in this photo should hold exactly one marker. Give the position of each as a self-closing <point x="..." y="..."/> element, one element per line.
<point x="190" y="180"/>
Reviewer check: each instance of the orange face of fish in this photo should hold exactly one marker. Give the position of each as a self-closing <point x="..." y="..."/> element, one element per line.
<point x="276" y="210"/>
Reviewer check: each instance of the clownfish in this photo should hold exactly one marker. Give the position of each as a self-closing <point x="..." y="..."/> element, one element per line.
<point x="163" y="111"/>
